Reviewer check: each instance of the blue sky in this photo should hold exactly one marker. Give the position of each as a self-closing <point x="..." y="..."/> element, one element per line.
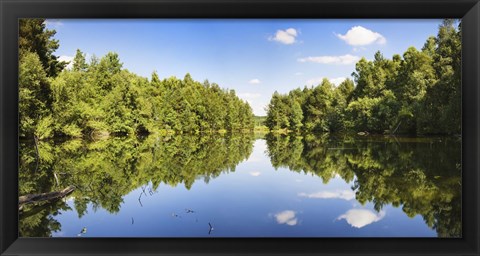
<point x="253" y="57"/>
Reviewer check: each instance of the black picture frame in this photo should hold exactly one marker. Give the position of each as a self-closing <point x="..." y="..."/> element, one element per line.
<point x="12" y="10"/>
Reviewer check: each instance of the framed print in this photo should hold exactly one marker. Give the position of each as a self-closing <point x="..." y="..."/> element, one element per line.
<point x="239" y="127"/>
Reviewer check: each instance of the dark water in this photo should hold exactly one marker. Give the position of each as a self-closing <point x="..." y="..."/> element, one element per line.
<point x="245" y="186"/>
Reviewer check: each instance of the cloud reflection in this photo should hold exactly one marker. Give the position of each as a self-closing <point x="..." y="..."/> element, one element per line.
<point x="255" y="174"/>
<point x="359" y="218"/>
<point x="286" y="217"/>
<point x="340" y="194"/>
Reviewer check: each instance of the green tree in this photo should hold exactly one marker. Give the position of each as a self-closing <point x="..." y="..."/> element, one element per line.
<point x="442" y="105"/>
<point x="79" y="63"/>
<point x="415" y="76"/>
<point x="317" y="107"/>
<point x="34" y="37"/>
<point x="277" y="117"/>
<point x="35" y="98"/>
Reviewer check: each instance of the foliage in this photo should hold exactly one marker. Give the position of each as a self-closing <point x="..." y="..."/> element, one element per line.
<point x="384" y="171"/>
<point x="104" y="171"/>
<point x="417" y="93"/>
<point x="35" y="38"/>
<point x="107" y="98"/>
<point x="101" y="97"/>
<point x="35" y="96"/>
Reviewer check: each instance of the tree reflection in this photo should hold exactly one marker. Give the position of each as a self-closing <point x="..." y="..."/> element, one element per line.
<point x="421" y="175"/>
<point x="311" y="154"/>
<point x="105" y="171"/>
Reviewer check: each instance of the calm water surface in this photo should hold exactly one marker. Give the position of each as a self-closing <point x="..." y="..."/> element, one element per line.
<point x="245" y="186"/>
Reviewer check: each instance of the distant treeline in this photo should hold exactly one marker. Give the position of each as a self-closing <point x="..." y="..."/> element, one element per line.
<point x="103" y="97"/>
<point x="417" y="94"/>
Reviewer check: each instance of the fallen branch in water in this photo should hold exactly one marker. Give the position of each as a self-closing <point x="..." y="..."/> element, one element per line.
<point x="33" y="198"/>
<point x="211" y="228"/>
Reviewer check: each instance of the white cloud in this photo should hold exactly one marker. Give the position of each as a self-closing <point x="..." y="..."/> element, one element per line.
<point x="359" y="35"/>
<point x="255" y="174"/>
<point x="258" y="107"/>
<point x="286" y="217"/>
<point x="67" y="59"/>
<point x="287" y="36"/>
<point x="359" y="218"/>
<point x="249" y="95"/>
<point x="254" y="81"/>
<point x="339" y="60"/>
<point x="254" y="101"/>
<point x="315" y="81"/>
<point x="337" y="80"/>
<point x="291" y="31"/>
<point x="298" y="73"/>
<point x="53" y="23"/>
<point x="339" y="194"/>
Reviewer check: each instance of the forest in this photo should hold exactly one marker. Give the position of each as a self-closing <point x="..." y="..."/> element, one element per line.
<point x="418" y="93"/>
<point x="203" y="131"/>
<point x="101" y="97"/>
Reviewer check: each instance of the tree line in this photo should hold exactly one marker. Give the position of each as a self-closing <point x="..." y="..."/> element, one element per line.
<point x="102" y="97"/>
<point x="417" y="93"/>
<point x="384" y="171"/>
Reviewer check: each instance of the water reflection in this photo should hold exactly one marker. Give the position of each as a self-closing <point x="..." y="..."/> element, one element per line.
<point x="339" y="194"/>
<point x="421" y="175"/>
<point x="105" y="171"/>
<point x="286" y="217"/>
<point x="361" y="217"/>
<point x="126" y="176"/>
